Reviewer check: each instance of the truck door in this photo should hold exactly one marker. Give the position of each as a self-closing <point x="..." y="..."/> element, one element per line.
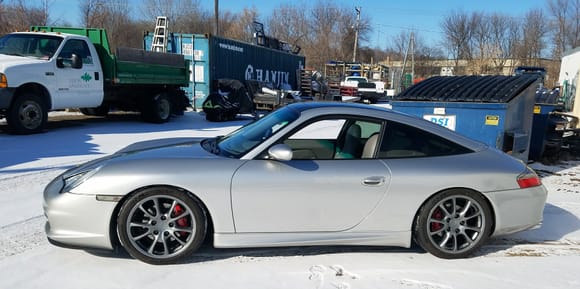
<point x="78" y="87"/>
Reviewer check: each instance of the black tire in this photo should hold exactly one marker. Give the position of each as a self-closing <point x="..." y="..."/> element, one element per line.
<point x="453" y="224"/>
<point x="27" y="115"/>
<point x="161" y="225"/>
<point x="102" y="110"/>
<point x="158" y="109"/>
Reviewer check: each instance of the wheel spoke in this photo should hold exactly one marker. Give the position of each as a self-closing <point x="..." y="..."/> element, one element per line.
<point x="475" y="229"/>
<point x="477" y="214"/>
<point x="186" y="230"/>
<point x="182" y="215"/>
<point x="455" y="242"/>
<point x="445" y="240"/>
<point x="436" y="221"/>
<point x="156" y="207"/>
<point x="137" y="238"/>
<point x="140" y="225"/>
<point x="467" y="206"/>
<point x="172" y="207"/>
<point x="177" y="238"/>
<point x="447" y="213"/>
<point x="437" y="232"/>
<point x="468" y="240"/>
<point x="145" y="211"/>
<point x="165" y="249"/>
<point x="153" y="244"/>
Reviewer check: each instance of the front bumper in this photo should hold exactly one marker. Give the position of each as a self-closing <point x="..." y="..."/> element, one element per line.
<point x="77" y="220"/>
<point x="518" y="210"/>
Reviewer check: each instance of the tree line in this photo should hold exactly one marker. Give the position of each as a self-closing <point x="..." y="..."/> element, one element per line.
<point x="325" y="30"/>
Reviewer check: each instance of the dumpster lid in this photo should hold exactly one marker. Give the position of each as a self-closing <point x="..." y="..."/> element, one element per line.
<point x="495" y="89"/>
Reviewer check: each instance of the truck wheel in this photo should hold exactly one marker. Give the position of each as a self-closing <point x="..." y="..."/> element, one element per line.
<point x="159" y="109"/>
<point x="27" y="115"/>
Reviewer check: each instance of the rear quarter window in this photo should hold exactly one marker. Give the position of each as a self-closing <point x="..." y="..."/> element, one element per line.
<point x="404" y="141"/>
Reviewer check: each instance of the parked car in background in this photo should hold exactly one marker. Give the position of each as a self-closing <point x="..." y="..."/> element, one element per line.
<point x="305" y="174"/>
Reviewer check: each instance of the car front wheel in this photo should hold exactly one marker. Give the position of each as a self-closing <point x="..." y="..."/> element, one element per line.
<point x="161" y="225"/>
<point x="453" y="224"/>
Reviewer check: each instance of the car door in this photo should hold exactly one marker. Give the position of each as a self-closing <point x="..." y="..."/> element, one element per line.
<point x="78" y="87"/>
<point x="318" y="194"/>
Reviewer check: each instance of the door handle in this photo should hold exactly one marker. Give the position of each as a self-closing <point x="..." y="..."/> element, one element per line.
<point x="374" y="181"/>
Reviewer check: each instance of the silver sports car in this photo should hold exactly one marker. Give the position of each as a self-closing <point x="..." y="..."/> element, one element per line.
<point x="306" y="174"/>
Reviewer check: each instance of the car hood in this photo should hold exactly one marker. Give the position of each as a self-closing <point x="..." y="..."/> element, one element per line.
<point x="150" y="150"/>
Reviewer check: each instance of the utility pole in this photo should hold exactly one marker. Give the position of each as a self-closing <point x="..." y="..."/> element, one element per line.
<point x="357" y="9"/>
<point x="216" y="15"/>
<point x="412" y="44"/>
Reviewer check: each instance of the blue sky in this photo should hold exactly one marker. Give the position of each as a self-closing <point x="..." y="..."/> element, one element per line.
<point x="387" y="17"/>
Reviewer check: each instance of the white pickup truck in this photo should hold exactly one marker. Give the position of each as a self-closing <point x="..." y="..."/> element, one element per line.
<point x="55" y="68"/>
<point x="366" y="90"/>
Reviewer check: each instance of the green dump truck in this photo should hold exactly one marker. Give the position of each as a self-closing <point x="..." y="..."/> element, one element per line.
<point x="52" y="68"/>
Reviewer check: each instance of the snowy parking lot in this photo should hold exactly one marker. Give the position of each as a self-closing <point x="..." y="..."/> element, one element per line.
<point x="544" y="258"/>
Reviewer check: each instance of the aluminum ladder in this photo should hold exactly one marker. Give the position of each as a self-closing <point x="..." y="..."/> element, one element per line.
<point x="159" y="43"/>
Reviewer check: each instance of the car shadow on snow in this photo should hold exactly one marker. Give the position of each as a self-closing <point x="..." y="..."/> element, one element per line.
<point x="556" y="225"/>
<point x="74" y="134"/>
<point x="207" y="253"/>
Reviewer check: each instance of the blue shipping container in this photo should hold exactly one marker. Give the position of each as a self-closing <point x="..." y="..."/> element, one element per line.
<point x="214" y="58"/>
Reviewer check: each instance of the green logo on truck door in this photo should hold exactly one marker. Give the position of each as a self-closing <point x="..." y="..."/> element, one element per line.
<point x="86" y="77"/>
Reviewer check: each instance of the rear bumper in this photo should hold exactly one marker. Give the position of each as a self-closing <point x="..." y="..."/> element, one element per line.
<point x="517" y="210"/>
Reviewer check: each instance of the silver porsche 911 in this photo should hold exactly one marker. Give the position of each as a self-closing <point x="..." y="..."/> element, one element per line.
<point x="306" y="174"/>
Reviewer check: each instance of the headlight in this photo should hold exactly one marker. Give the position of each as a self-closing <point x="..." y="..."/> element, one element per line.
<point x="75" y="180"/>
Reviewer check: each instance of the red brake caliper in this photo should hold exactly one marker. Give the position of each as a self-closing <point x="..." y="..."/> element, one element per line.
<point x="437" y="215"/>
<point x="178" y="210"/>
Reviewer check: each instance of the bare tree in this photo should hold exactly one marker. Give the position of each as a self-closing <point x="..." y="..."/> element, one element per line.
<point x="559" y="11"/>
<point x="185" y="16"/>
<point x="504" y="35"/>
<point x="19" y="15"/>
<point x="457" y="28"/>
<point x="289" y="23"/>
<point x="114" y="17"/>
<point x="574" y="24"/>
<point x="481" y="41"/>
<point x="534" y="30"/>
<point x="239" y="26"/>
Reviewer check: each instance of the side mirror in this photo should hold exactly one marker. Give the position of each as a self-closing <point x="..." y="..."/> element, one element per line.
<point x="280" y="152"/>
<point x="76" y="62"/>
<point x="60" y="62"/>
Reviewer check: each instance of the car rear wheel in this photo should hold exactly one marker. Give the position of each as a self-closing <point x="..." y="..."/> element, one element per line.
<point x="453" y="224"/>
<point x="161" y="225"/>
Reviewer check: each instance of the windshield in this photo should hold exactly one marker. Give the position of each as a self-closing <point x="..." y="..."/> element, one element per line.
<point x="241" y="141"/>
<point x="357" y="79"/>
<point x="30" y="45"/>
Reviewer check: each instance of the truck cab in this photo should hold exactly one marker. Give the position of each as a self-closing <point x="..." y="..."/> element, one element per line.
<point x="43" y="71"/>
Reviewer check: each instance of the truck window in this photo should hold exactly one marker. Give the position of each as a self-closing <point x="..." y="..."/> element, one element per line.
<point x="78" y="47"/>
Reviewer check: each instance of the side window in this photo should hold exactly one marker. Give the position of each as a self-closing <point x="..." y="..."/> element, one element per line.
<point x="403" y="141"/>
<point x="78" y="47"/>
<point x="334" y="139"/>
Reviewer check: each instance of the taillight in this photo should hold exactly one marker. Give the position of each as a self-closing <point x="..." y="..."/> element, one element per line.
<point x="528" y="179"/>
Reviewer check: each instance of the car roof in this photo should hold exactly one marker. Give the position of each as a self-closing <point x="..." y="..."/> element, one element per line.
<point x="312" y="109"/>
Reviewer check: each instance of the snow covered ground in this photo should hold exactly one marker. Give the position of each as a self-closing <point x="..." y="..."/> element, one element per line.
<point x="545" y="258"/>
